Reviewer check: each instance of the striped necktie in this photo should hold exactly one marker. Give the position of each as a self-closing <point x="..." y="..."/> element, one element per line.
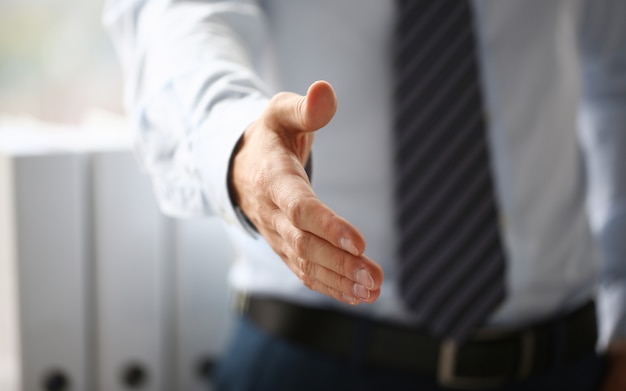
<point x="451" y="258"/>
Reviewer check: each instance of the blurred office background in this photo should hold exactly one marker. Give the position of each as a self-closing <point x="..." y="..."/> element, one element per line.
<point x="56" y="62"/>
<point x="98" y="290"/>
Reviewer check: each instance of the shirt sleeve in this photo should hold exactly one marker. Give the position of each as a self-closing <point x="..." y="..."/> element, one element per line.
<point x="192" y="82"/>
<point x="603" y="130"/>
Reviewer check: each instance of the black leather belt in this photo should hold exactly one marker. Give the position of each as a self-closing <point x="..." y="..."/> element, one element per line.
<point x="491" y="357"/>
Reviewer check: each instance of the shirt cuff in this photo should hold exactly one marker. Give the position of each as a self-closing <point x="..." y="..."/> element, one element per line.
<point x="213" y="149"/>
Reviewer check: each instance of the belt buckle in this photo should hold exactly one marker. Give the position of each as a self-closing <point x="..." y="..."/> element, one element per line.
<point x="446" y="372"/>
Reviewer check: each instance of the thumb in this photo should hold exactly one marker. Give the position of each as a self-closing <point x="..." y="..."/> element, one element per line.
<point x="305" y="113"/>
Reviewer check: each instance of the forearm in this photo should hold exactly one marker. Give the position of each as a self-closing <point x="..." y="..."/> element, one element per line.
<point x="191" y="88"/>
<point x="612" y="293"/>
<point x="604" y="140"/>
<point x="603" y="130"/>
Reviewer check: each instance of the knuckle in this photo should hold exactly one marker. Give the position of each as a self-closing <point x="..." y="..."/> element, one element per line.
<point x="345" y="264"/>
<point x="272" y="219"/>
<point x="300" y="274"/>
<point x="260" y="179"/>
<point x="307" y="267"/>
<point x="299" y="208"/>
<point x="299" y="241"/>
<point x="340" y="282"/>
<point x="266" y="217"/>
<point x="294" y="209"/>
<point x="328" y="224"/>
<point x="279" y="97"/>
<point x="300" y="113"/>
<point x="305" y="275"/>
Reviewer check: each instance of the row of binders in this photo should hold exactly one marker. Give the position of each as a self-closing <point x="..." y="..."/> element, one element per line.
<point x="98" y="290"/>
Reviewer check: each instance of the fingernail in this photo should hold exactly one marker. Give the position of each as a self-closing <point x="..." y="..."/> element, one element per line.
<point x="363" y="277"/>
<point x="360" y="291"/>
<point x="347" y="245"/>
<point x="350" y="299"/>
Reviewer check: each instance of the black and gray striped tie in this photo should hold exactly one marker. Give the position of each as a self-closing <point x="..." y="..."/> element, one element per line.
<point x="451" y="257"/>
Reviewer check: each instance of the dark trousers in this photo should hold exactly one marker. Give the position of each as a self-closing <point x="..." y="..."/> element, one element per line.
<point x="256" y="360"/>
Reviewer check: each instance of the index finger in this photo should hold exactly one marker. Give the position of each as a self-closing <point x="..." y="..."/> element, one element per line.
<point x="296" y="199"/>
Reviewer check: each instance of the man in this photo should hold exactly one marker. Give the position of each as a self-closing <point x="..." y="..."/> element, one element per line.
<point x="215" y="134"/>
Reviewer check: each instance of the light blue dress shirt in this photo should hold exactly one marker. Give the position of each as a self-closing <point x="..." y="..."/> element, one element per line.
<point x="199" y="72"/>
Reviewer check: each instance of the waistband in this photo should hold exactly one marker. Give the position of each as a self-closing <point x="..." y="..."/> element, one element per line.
<point x="489" y="358"/>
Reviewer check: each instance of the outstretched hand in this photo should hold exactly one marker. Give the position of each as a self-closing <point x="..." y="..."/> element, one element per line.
<point x="270" y="185"/>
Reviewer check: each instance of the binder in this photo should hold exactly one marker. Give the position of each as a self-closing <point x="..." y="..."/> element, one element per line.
<point x="203" y="311"/>
<point x="98" y="290"/>
<point x="44" y="338"/>
<point x="132" y="246"/>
